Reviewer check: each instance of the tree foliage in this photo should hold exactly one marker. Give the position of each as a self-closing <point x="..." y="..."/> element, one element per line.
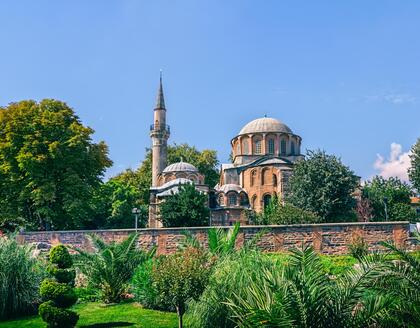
<point x="49" y="166"/>
<point x="186" y="208"/>
<point x="391" y="192"/>
<point x="205" y="161"/>
<point x="181" y="277"/>
<point x="414" y="171"/>
<point x="322" y="184"/>
<point x="279" y="212"/>
<point x="113" y="203"/>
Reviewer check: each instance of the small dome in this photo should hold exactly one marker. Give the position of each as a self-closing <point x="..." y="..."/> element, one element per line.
<point x="265" y="124"/>
<point x="180" y="167"/>
<point x="229" y="187"/>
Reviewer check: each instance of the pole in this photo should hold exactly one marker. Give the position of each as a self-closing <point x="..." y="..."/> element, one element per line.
<point x="136" y="220"/>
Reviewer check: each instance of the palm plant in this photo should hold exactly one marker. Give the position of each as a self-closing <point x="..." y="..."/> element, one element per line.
<point x="111" y="266"/>
<point x="300" y="294"/>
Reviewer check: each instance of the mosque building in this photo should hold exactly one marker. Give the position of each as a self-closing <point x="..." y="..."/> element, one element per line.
<point x="264" y="152"/>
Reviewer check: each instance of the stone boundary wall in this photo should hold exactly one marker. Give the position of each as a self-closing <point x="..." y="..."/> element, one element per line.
<point x="329" y="238"/>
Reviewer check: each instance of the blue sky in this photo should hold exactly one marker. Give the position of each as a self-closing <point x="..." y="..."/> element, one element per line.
<point x="343" y="75"/>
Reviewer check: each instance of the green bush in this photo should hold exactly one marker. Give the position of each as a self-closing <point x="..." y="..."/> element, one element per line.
<point x="61" y="294"/>
<point x="20" y="276"/>
<point x="144" y="290"/>
<point x="57" y="317"/>
<point x="58" y="293"/>
<point x="59" y="255"/>
<point x="358" y="247"/>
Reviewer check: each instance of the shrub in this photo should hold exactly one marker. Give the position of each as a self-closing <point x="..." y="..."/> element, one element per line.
<point x="182" y="277"/>
<point x="358" y="248"/>
<point x="59" y="293"/>
<point x="20" y="276"/>
<point x="278" y="212"/>
<point x="145" y="291"/>
<point x="111" y="267"/>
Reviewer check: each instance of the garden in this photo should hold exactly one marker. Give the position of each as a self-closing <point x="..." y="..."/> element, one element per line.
<point x="119" y="285"/>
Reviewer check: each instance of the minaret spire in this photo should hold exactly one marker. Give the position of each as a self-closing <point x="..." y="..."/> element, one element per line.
<point x="160" y="100"/>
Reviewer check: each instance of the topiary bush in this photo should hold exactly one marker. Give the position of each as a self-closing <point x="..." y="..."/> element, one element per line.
<point x="58" y="292"/>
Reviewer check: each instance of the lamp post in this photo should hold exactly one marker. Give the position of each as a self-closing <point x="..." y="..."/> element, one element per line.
<point x="386" y="209"/>
<point x="136" y="213"/>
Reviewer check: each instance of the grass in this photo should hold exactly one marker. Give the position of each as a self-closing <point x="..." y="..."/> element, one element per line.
<point x="97" y="315"/>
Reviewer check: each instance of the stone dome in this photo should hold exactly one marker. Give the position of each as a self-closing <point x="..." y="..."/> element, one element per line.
<point x="180" y="167"/>
<point x="264" y="125"/>
<point x="229" y="187"/>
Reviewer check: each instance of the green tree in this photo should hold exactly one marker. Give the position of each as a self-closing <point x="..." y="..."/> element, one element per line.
<point x="49" y="166"/>
<point x="279" y="212"/>
<point x="181" y="277"/>
<point x="205" y="161"/>
<point x="414" y="171"/>
<point x="113" y="204"/>
<point x="322" y="184"/>
<point x="392" y="193"/>
<point x="187" y="208"/>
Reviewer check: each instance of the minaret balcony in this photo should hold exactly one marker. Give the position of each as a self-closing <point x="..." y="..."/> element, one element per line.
<point x="160" y="128"/>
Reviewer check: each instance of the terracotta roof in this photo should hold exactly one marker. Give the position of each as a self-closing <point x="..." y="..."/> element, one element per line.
<point x="415" y="200"/>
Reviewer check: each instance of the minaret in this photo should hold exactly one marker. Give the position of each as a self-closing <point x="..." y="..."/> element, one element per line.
<point x="159" y="132"/>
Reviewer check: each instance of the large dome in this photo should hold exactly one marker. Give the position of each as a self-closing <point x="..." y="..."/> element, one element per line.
<point x="264" y="125"/>
<point x="180" y="167"/>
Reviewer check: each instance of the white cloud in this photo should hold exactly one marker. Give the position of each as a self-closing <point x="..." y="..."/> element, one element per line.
<point x="393" y="98"/>
<point x="396" y="165"/>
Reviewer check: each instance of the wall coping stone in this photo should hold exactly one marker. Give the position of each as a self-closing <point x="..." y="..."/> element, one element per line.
<point x="307" y="225"/>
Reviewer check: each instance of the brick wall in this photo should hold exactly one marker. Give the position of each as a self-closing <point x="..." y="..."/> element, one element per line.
<point x="332" y="238"/>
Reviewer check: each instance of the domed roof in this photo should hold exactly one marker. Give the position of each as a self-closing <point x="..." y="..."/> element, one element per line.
<point x="179" y="181"/>
<point x="265" y="124"/>
<point x="180" y="167"/>
<point x="229" y="187"/>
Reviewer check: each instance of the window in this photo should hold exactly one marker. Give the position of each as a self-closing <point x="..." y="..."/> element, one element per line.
<point x="283" y="147"/>
<point x="271" y="146"/>
<point x="292" y="148"/>
<point x="243" y="199"/>
<point x="245" y="146"/>
<point x="253" y="177"/>
<point x="267" y="199"/>
<point x="265" y="176"/>
<point x="254" y="201"/>
<point x="232" y="199"/>
<point x="257" y="146"/>
<point x="274" y="180"/>
<point x="221" y="200"/>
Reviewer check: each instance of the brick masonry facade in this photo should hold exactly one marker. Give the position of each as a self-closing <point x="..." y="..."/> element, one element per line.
<point x="332" y="238"/>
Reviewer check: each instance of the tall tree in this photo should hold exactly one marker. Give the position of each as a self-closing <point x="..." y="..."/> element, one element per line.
<point x="414" y="171"/>
<point x="187" y="208"/>
<point x="205" y="161"/>
<point x="49" y="165"/>
<point x="322" y="184"/>
<point x="390" y="199"/>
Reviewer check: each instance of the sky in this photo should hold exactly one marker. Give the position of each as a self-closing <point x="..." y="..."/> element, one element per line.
<point x="344" y="75"/>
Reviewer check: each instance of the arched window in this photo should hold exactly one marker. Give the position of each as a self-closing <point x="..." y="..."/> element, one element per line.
<point x="265" y="176"/>
<point x="254" y="201"/>
<point x="245" y="147"/>
<point x="274" y="180"/>
<point x="257" y="146"/>
<point x="283" y="147"/>
<point x="271" y="146"/>
<point x="232" y="199"/>
<point x="221" y="200"/>
<point x="243" y="199"/>
<point x="292" y="148"/>
<point x="267" y="199"/>
<point x="253" y="178"/>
